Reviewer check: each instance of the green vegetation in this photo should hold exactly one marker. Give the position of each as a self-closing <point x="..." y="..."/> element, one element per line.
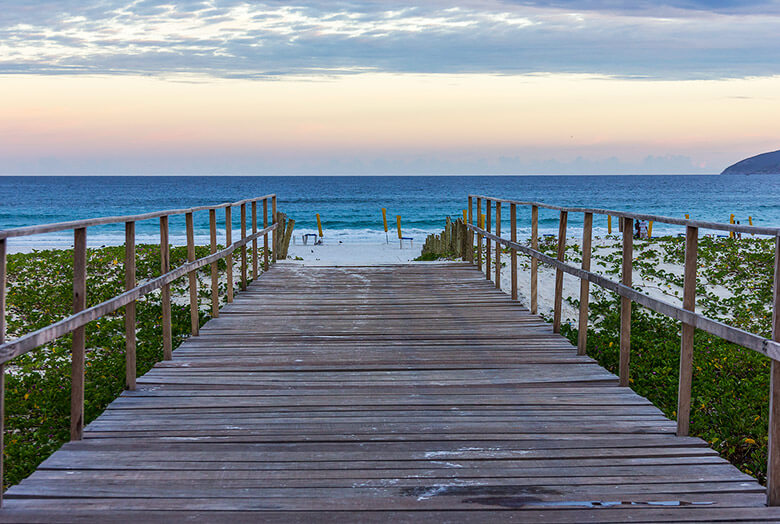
<point x="730" y="396"/>
<point x="38" y="383"/>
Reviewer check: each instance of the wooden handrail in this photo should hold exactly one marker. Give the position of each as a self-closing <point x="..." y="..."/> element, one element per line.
<point x="101" y="221"/>
<point x="24" y="344"/>
<point x="738" y="336"/>
<point x="737" y="228"/>
<point x="686" y="314"/>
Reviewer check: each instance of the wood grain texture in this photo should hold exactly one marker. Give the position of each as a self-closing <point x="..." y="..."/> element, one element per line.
<point x="165" y="266"/>
<point x="625" y="302"/>
<point x="192" y="277"/>
<point x="587" y="242"/>
<point x="376" y="394"/>
<point x="686" y="340"/>
<point x="558" y="300"/>
<point x="130" y="326"/>
<point x="78" y="344"/>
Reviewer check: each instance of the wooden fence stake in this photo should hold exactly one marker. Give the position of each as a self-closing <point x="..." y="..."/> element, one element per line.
<point x="192" y="276"/>
<point x="534" y="262"/>
<point x="488" y="220"/>
<point x="229" y="258"/>
<point x="498" y="246"/>
<point x="479" y="236"/>
<point x="773" y="464"/>
<point x="276" y="231"/>
<point x="243" y="248"/>
<point x="625" y="303"/>
<point x="558" y="273"/>
<point x="469" y="255"/>
<point x="130" y="282"/>
<point x="265" y="237"/>
<point x="214" y="272"/>
<point x="2" y="366"/>
<point x="254" y="242"/>
<point x="165" y="266"/>
<point x="587" y="240"/>
<point x="513" y="252"/>
<point x="77" y="351"/>
<point x="686" y="341"/>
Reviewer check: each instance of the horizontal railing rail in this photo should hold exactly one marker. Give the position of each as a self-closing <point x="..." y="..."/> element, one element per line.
<point x="102" y="221"/>
<point x="82" y="315"/>
<point x="686" y="314"/>
<point x="30" y="341"/>
<point x="718" y="226"/>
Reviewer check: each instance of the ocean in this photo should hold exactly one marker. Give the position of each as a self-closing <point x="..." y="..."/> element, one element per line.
<point x="350" y="206"/>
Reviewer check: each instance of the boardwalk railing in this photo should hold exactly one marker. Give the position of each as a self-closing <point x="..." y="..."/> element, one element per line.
<point x="686" y="314"/>
<point x="82" y="316"/>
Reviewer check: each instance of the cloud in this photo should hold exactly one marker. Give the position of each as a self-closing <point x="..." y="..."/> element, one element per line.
<point x="231" y="38"/>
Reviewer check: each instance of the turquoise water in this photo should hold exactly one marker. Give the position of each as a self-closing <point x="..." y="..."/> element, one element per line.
<point x="350" y="207"/>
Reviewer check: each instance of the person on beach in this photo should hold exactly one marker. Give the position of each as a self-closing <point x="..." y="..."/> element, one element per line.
<point x="637" y="229"/>
<point x="738" y="234"/>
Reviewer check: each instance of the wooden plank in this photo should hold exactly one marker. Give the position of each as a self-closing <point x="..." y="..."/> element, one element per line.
<point x="559" y="274"/>
<point x="625" y="302"/>
<point x="587" y="238"/>
<point x="380" y="388"/>
<point x="78" y="344"/>
<point x="130" y="325"/>
<point x="165" y="266"/>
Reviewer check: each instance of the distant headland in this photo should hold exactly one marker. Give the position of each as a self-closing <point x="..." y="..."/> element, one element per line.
<point x="763" y="164"/>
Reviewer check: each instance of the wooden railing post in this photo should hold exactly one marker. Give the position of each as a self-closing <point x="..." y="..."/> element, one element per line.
<point x="479" y="236"/>
<point x="77" y="351"/>
<point x="243" y="248"/>
<point x="229" y="258"/>
<point x="558" y="273"/>
<point x="488" y="220"/>
<point x="214" y="271"/>
<point x="773" y="463"/>
<point x="165" y="266"/>
<point x="130" y="282"/>
<point x="265" y="237"/>
<point x="254" y="241"/>
<point x="276" y="231"/>
<point x="534" y="261"/>
<point x="625" y="303"/>
<point x="498" y="246"/>
<point x="192" y="277"/>
<point x="513" y="252"/>
<point x="469" y="255"/>
<point x="686" y="341"/>
<point x="2" y="366"/>
<point x="587" y="241"/>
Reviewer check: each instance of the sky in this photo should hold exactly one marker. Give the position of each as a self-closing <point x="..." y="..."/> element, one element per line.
<point x="370" y="87"/>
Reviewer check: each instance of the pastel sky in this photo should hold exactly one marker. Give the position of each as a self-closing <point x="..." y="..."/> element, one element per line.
<point x="370" y="87"/>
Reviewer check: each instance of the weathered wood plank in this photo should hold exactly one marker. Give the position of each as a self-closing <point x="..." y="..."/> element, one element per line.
<point x="321" y="393"/>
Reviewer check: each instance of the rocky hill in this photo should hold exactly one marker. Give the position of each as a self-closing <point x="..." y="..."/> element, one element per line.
<point x="765" y="163"/>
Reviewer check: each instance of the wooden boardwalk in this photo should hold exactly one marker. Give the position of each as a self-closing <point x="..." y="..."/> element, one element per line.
<point x="343" y="394"/>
